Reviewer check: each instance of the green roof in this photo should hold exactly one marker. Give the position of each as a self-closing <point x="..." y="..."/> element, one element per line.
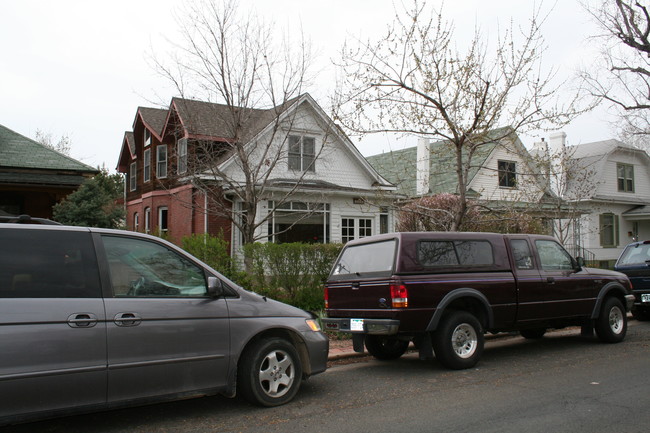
<point x="20" y="152"/>
<point x="400" y="166"/>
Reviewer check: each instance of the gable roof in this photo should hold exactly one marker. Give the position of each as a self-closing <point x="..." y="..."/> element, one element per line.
<point x="400" y="166"/>
<point x="153" y="118"/>
<point x="20" y="152"/>
<point x="591" y="158"/>
<point x="208" y="120"/>
<point x="267" y="122"/>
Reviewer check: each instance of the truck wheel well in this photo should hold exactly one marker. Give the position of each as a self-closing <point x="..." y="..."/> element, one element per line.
<point x="471" y="305"/>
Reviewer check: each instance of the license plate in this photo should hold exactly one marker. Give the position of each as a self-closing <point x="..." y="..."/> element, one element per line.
<point x="356" y="324"/>
<point x="645" y="297"/>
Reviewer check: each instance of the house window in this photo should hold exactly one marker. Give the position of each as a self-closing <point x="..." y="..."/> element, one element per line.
<point x="133" y="169"/>
<point x="302" y="153"/>
<point x="147" y="220"/>
<point x="136" y="221"/>
<point x="161" y="161"/>
<point x="507" y="174"/>
<point x="383" y="220"/>
<point x="147" y="165"/>
<point x="625" y="176"/>
<point x="299" y="222"/>
<point x="162" y="219"/>
<point x="147" y="138"/>
<point x="608" y="230"/>
<point x="355" y="228"/>
<point x="182" y="155"/>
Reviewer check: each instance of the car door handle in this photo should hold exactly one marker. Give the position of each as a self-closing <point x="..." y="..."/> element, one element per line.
<point x="82" y="320"/>
<point x="127" y="319"/>
<point x="550" y="280"/>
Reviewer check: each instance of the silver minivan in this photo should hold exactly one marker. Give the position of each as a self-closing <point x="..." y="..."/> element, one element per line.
<point x="93" y="319"/>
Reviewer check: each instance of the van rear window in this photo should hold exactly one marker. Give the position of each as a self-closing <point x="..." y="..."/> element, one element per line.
<point x="450" y="253"/>
<point x="377" y="257"/>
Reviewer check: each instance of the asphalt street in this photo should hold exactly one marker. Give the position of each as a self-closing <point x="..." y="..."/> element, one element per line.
<point x="562" y="383"/>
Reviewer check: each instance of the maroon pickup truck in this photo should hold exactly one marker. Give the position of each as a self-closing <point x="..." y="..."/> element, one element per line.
<point x="443" y="291"/>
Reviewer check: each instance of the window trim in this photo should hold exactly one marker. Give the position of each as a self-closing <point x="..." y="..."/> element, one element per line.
<point x="147" y="220"/>
<point x="161" y="164"/>
<point x="161" y="210"/>
<point x="627" y="179"/>
<point x="614" y="227"/>
<point x="133" y="173"/>
<point x="181" y="149"/>
<point x="146" y="172"/>
<point x="507" y="176"/>
<point x="146" y="138"/>
<point x="357" y="228"/>
<point x="301" y="160"/>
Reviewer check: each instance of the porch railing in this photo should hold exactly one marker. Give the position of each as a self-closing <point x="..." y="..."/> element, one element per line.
<point x="578" y="251"/>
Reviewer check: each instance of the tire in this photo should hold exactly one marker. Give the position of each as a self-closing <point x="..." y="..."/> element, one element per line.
<point x="641" y="314"/>
<point x="611" y="324"/>
<point x="269" y="372"/>
<point x="458" y="341"/>
<point x="385" y="348"/>
<point x="533" y="334"/>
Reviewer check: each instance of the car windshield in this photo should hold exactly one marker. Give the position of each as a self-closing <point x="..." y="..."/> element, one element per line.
<point x="365" y="258"/>
<point x="635" y="255"/>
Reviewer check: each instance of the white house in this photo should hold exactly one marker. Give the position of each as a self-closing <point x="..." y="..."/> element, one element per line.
<point x="501" y="170"/>
<point x="614" y="196"/>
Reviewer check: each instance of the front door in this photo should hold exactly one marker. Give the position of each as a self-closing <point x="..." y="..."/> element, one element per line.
<point x="165" y="335"/>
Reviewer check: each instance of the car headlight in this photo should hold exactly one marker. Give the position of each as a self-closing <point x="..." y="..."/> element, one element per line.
<point x="313" y="324"/>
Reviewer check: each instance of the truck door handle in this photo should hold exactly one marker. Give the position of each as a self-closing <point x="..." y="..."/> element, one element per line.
<point x="127" y="319"/>
<point x="82" y="320"/>
<point x="550" y="280"/>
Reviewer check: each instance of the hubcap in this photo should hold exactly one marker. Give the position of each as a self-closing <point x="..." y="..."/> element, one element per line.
<point x="616" y="320"/>
<point x="464" y="340"/>
<point x="276" y="373"/>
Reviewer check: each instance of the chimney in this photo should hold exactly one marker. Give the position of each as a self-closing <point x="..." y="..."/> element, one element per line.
<point x="423" y="166"/>
<point x="557" y="152"/>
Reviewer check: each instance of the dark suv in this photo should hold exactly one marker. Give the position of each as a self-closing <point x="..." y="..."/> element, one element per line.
<point x="635" y="263"/>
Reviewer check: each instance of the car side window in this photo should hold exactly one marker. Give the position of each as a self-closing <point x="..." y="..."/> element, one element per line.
<point x="552" y="256"/>
<point x="48" y="264"/>
<point x="142" y="268"/>
<point x="522" y="254"/>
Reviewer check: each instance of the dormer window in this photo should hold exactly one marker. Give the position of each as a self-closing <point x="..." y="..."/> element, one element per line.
<point x="146" y="172"/>
<point x="302" y="153"/>
<point x="147" y="137"/>
<point x="625" y="177"/>
<point x="161" y="161"/>
<point x="507" y="174"/>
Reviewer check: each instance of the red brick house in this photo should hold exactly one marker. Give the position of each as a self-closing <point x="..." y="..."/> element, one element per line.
<point x="315" y="185"/>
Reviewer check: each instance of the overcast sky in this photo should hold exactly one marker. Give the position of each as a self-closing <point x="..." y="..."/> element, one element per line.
<point x="80" y="68"/>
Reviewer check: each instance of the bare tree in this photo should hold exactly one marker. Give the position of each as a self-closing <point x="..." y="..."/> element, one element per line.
<point x="253" y="81"/>
<point x="415" y="81"/>
<point x="62" y="146"/>
<point x="621" y="74"/>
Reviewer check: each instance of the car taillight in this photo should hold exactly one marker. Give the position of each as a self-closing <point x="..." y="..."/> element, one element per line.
<point x="399" y="295"/>
<point x="326" y="295"/>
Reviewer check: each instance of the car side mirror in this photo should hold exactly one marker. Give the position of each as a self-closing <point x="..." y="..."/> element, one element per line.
<point x="215" y="287"/>
<point x="580" y="263"/>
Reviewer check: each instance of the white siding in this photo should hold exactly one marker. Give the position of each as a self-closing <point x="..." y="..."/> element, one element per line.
<point x="608" y="180"/>
<point x="486" y="182"/>
<point x="335" y="163"/>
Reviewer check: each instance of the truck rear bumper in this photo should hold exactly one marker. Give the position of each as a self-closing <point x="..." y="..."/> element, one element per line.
<point x="362" y="326"/>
